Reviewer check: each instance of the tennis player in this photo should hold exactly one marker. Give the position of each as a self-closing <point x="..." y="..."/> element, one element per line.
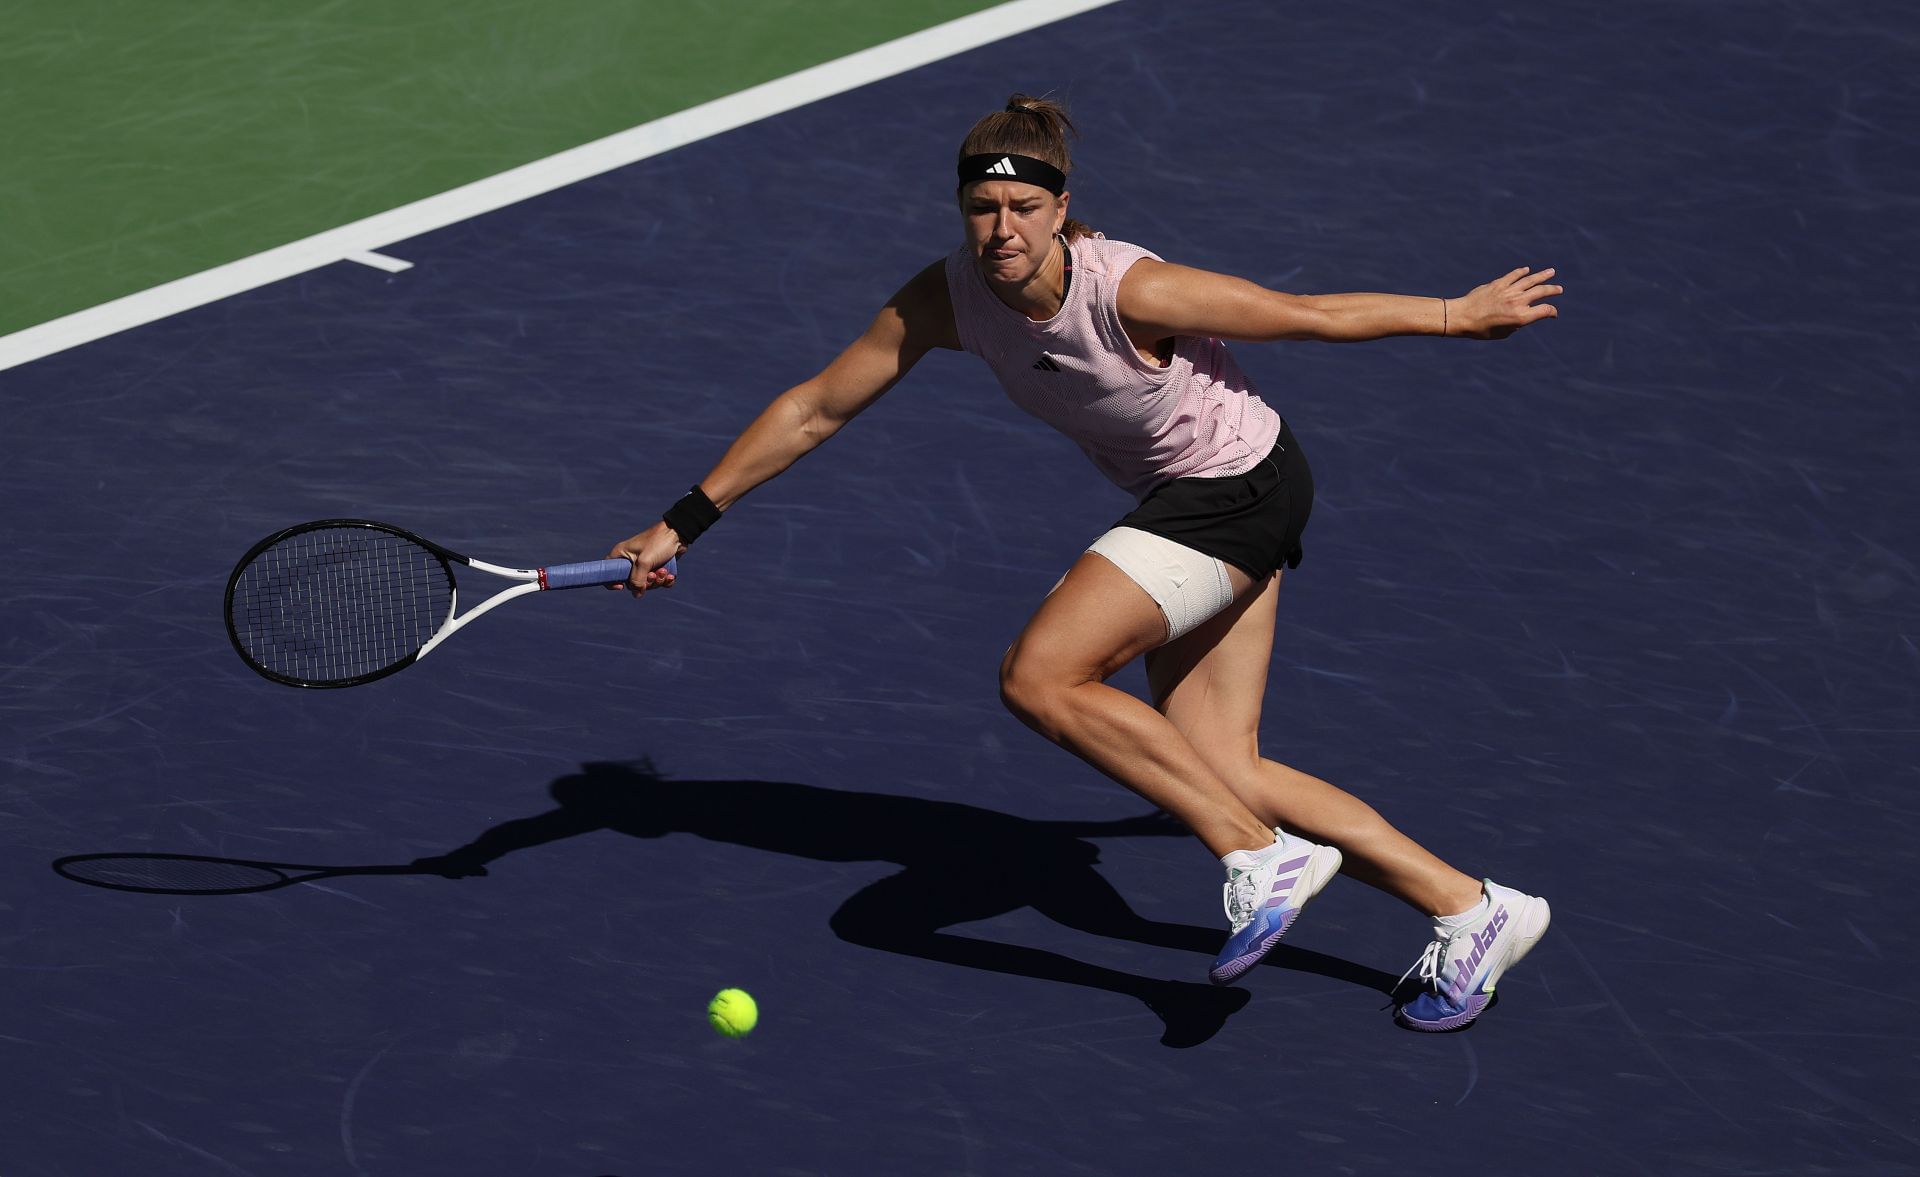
<point x="1126" y="354"/>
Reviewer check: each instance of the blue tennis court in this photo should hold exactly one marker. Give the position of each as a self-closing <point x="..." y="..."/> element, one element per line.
<point x="1619" y="610"/>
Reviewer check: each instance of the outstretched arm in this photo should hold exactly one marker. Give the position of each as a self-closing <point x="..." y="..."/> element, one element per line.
<point x="916" y="319"/>
<point x="1159" y="300"/>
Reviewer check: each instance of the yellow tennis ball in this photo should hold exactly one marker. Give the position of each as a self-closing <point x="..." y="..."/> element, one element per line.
<point x="733" y="1012"/>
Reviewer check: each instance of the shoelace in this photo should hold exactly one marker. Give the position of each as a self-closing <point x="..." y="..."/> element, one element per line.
<point x="1239" y="897"/>
<point x="1428" y="965"/>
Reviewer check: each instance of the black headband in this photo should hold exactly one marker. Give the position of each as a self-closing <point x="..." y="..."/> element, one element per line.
<point x="1024" y="168"/>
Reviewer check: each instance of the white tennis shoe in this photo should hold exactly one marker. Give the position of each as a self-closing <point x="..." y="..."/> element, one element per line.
<point x="1461" y="966"/>
<point x="1265" y="891"/>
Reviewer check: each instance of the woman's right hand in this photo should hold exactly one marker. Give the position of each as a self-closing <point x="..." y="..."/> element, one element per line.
<point x="649" y="551"/>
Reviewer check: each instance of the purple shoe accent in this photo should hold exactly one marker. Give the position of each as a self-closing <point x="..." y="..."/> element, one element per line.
<point x="1249" y="954"/>
<point x="1474" y="1006"/>
<point x="1280" y="895"/>
<point x="1296" y="864"/>
<point x="1483" y="943"/>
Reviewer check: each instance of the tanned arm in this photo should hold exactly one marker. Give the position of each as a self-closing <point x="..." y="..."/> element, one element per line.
<point x="1158" y="300"/>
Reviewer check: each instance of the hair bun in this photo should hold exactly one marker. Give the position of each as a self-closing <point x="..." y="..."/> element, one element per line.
<point x="1017" y="108"/>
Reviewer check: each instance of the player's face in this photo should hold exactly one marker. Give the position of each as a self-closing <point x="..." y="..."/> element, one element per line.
<point x="1010" y="227"/>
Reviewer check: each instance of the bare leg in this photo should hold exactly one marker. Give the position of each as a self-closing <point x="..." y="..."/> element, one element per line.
<point x="1210" y="684"/>
<point x="1053" y="679"/>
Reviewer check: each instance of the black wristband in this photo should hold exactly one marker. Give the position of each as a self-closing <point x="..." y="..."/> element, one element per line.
<point x="693" y="514"/>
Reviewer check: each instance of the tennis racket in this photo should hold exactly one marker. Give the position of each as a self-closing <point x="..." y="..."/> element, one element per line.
<point x="340" y="602"/>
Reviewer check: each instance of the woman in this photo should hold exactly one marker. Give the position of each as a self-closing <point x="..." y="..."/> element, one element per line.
<point x="1123" y="352"/>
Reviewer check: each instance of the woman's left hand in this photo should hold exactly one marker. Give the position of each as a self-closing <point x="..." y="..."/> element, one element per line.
<point x="1503" y="306"/>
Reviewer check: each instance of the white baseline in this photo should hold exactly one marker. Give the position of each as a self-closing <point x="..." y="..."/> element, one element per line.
<point x="543" y="175"/>
<point x="379" y="261"/>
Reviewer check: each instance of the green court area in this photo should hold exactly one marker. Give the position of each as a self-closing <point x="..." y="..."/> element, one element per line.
<point x="147" y="141"/>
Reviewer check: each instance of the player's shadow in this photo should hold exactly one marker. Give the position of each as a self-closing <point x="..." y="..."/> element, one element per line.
<point x="960" y="863"/>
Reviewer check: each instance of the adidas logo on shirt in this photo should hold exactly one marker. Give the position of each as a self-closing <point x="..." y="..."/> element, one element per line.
<point x="1045" y="363"/>
<point x="1003" y="168"/>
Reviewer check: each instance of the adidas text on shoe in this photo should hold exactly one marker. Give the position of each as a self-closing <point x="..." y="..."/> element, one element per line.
<point x="1459" y="969"/>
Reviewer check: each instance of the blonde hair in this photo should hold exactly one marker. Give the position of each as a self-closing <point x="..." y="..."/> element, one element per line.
<point x="1036" y="127"/>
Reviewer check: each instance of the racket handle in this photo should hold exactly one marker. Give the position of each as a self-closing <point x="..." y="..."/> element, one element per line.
<point x="591" y="572"/>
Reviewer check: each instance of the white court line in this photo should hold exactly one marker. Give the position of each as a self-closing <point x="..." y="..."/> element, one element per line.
<point x="544" y="175"/>
<point x="379" y="261"/>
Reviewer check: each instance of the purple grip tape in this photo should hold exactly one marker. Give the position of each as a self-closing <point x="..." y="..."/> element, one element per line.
<point x="590" y="572"/>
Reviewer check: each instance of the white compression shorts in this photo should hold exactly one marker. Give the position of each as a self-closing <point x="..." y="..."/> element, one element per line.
<point x="1189" y="586"/>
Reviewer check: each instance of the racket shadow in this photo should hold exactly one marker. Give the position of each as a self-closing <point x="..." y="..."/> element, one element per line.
<point x="205" y="874"/>
<point x="959" y="864"/>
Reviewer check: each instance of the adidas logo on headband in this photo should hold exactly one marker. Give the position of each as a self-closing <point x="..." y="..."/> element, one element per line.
<point x="1024" y="168"/>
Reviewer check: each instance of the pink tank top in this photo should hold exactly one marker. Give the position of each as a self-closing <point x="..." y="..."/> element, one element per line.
<point x="1142" y="425"/>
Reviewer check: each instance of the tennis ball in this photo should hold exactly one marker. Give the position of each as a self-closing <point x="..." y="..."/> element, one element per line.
<point x="733" y="1012"/>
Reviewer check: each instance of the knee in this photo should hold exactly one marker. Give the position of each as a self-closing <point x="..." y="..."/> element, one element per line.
<point x="1237" y="755"/>
<point x="1036" y="697"/>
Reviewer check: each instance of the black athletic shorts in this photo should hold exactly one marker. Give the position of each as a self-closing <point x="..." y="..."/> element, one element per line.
<point x="1252" y="521"/>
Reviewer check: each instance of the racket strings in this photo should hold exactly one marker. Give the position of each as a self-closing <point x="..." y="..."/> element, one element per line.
<point x="335" y="604"/>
